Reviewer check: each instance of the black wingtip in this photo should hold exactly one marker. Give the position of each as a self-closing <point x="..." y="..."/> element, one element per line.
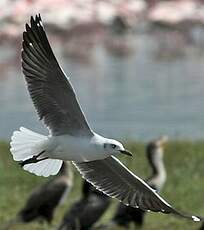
<point x="32" y="21"/>
<point x="27" y="27"/>
<point x="35" y="19"/>
<point x="196" y="218"/>
<point x="38" y="18"/>
<point x="187" y="216"/>
<point x="24" y="35"/>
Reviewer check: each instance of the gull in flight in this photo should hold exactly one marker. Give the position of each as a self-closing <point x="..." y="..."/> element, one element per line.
<point x="70" y="137"/>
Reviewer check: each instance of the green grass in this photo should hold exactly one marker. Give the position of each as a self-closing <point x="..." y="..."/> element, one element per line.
<point x="184" y="188"/>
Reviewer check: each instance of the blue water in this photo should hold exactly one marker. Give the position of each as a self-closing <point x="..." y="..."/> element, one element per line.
<point x="139" y="96"/>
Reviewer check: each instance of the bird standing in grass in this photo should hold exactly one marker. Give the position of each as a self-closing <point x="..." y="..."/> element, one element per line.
<point x="71" y="138"/>
<point x="124" y="214"/>
<point x="43" y="201"/>
<point x="84" y="213"/>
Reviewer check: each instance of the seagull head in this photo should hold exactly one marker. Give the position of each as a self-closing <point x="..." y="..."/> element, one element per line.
<point x="114" y="147"/>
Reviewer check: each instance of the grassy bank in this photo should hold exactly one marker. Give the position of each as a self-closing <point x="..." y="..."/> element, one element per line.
<point x="184" y="188"/>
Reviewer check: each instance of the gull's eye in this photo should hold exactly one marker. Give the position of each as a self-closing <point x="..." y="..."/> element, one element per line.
<point x="113" y="146"/>
<point x="107" y="145"/>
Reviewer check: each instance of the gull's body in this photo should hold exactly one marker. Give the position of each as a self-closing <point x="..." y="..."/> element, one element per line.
<point x="77" y="149"/>
<point x="70" y="137"/>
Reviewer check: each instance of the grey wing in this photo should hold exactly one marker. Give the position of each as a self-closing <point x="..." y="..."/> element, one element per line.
<point x="114" y="179"/>
<point x="52" y="93"/>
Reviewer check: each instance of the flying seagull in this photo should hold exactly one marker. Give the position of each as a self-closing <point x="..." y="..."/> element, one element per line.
<point x="43" y="201"/>
<point x="85" y="212"/>
<point x="71" y="138"/>
<point x="154" y="151"/>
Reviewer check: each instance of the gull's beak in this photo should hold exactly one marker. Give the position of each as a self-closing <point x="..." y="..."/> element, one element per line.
<point x="126" y="152"/>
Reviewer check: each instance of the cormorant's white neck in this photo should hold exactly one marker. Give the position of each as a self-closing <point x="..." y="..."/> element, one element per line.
<point x="158" y="177"/>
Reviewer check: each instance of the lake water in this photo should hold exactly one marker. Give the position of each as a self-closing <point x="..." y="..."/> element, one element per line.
<point x="156" y="88"/>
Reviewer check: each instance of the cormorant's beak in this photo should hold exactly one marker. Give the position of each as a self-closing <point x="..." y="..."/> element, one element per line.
<point x="126" y="152"/>
<point x="163" y="141"/>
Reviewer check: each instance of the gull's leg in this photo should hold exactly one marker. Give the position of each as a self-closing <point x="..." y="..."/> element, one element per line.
<point x="33" y="159"/>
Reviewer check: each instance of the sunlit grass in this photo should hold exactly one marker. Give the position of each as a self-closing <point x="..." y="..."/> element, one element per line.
<point x="184" y="189"/>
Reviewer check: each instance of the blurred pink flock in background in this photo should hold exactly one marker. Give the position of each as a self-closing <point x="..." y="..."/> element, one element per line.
<point x="144" y="56"/>
<point x="66" y="14"/>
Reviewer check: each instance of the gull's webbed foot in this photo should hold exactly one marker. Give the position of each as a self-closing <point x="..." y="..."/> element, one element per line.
<point x="33" y="159"/>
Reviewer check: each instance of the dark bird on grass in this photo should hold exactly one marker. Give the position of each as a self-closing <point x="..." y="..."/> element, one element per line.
<point x="70" y="137"/>
<point x="154" y="151"/>
<point x="43" y="201"/>
<point x="84" y="213"/>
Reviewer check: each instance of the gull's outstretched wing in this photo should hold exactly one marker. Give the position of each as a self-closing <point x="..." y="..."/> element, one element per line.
<point x="114" y="179"/>
<point x="49" y="88"/>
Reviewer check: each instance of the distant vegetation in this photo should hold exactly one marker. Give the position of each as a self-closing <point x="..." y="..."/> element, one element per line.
<point x="184" y="189"/>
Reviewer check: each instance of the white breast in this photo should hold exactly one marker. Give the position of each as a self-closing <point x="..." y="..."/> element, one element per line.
<point x="78" y="149"/>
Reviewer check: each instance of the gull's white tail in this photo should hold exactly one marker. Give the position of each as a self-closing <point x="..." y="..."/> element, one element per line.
<point x="25" y="144"/>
